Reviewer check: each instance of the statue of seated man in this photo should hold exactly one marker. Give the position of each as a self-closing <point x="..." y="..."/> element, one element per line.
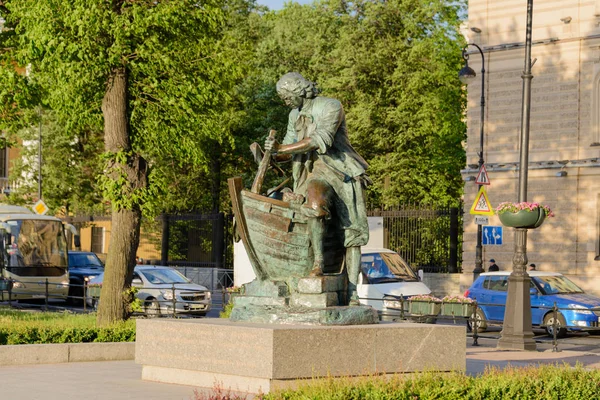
<point x="326" y="170"/>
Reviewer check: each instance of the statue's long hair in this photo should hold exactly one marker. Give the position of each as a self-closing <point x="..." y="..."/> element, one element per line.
<point x="295" y="83"/>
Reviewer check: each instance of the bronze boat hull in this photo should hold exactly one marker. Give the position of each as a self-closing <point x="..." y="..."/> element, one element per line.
<point x="277" y="238"/>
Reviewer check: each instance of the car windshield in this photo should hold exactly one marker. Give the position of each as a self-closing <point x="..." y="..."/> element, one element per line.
<point x="386" y="267"/>
<point x="163" y="275"/>
<point x="556" y="285"/>
<point x="84" y="260"/>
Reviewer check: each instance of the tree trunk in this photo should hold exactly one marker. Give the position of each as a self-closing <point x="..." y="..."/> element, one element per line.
<point x="125" y="229"/>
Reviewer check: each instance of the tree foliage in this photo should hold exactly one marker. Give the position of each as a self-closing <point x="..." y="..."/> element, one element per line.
<point x="199" y="88"/>
<point x="176" y="67"/>
<point x="393" y="65"/>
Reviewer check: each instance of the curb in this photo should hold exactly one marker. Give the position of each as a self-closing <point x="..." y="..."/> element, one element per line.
<point x="27" y="354"/>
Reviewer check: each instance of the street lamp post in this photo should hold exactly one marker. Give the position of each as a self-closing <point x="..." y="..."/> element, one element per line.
<point x="465" y="75"/>
<point x="516" y="332"/>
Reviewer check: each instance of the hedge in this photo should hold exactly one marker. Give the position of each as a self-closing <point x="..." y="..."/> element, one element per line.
<point x="544" y="382"/>
<point x="19" y="327"/>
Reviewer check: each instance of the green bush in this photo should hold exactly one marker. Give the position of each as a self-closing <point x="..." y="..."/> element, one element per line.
<point x="544" y="382"/>
<point x="21" y="327"/>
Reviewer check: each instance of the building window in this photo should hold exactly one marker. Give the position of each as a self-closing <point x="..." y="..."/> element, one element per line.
<point x="97" y="240"/>
<point x="595" y="114"/>
<point x="4" y="162"/>
<point x="597" y="258"/>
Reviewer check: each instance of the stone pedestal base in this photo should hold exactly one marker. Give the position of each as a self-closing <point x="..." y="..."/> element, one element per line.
<point x="257" y="358"/>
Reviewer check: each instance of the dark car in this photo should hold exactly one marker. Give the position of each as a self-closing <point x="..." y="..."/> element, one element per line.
<point x="83" y="266"/>
<point x="576" y="310"/>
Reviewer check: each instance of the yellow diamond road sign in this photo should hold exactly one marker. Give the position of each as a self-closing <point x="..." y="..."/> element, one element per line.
<point x="482" y="205"/>
<point x="40" y="207"/>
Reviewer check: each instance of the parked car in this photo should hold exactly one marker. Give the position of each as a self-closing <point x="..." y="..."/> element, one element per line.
<point x="162" y="288"/>
<point x="386" y="278"/>
<point x="83" y="266"/>
<point x="577" y="310"/>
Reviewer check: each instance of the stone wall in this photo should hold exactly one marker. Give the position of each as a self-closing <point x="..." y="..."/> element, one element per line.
<point x="456" y="284"/>
<point x="443" y="284"/>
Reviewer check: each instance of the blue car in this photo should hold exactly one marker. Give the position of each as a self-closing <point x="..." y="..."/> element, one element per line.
<point x="577" y="310"/>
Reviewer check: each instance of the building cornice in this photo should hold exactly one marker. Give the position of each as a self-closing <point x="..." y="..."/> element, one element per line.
<point x="551" y="164"/>
<point x="517" y="45"/>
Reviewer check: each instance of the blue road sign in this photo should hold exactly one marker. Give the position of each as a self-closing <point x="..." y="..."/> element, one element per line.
<point x="491" y="235"/>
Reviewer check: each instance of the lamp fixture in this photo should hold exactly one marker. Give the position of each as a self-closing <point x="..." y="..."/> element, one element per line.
<point x="475" y="29"/>
<point x="566" y="20"/>
<point x="561" y="174"/>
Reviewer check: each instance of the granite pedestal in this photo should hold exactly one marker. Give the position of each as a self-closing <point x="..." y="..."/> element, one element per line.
<point x="258" y="358"/>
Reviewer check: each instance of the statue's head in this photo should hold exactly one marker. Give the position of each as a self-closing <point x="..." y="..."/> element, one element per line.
<point x="293" y="88"/>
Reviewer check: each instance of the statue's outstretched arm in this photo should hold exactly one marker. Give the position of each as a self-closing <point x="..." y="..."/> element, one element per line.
<point x="303" y="146"/>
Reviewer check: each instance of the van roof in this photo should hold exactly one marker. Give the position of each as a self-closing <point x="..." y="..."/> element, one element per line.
<point x="10" y="212"/>
<point x="366" y="250"/>
<point x="531" y="273"/>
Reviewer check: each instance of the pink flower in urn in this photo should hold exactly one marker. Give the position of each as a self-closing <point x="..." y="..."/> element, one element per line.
<point x="523" y="206"/>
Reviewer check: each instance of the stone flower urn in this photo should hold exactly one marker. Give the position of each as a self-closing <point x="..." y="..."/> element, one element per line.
<point x="523" y="218"/>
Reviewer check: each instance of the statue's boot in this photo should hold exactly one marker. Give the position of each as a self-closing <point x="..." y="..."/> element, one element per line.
<point x="317" y="232"/>
<point x="353" y="257"/>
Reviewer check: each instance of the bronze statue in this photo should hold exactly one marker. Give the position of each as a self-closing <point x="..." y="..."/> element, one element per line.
<point x="304" y="245"/>
<point x="327" y="170"/>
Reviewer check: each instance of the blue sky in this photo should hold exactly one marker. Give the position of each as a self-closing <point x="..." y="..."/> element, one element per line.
<point x="278" y="4"/>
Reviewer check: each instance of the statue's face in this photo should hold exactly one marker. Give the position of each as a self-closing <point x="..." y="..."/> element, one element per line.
<point x="290" y="99"/>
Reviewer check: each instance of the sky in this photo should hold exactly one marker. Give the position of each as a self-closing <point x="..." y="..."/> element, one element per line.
<point x="278" y="4"/>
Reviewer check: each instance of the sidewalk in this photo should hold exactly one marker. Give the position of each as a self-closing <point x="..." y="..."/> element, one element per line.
<point x="120" y="380"/>
<point x="486" y="355"/>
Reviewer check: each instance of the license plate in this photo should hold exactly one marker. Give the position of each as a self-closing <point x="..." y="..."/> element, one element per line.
<point x="197" y="307"/>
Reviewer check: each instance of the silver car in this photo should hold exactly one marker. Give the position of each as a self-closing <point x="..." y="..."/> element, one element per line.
<point x="164" y="290"/>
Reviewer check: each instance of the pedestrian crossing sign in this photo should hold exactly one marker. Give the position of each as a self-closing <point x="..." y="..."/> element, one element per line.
<point x="482" y="205"/>
<point x="482" y="176"/>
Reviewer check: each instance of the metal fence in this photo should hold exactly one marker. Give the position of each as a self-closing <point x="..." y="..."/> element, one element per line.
<point x="196" y="240"/>
<point x="428" y="238"/>
<point x="51" y="296"/>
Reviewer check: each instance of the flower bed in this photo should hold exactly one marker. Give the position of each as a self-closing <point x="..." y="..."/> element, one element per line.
<point x="424" y="305"/>
<point x="457" y="306"/>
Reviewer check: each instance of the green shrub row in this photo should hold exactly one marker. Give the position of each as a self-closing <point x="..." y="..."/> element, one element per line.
<point x="34" y="335"/>
<point x="533" y="383"/>
<point x="20" y="327"/>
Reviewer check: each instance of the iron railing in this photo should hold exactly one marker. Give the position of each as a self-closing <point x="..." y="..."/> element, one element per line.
<point x="428" y="238"/>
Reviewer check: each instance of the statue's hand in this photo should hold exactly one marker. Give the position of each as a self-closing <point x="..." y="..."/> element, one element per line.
<point x="271" y="144"/>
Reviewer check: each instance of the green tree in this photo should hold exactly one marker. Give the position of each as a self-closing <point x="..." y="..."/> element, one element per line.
<point x="154" y="76"/>
<point x="394" y="66"/>
<point x="70" y="165"/>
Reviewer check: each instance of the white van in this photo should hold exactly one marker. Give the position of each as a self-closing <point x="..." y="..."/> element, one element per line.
<point x="385" y="279"/>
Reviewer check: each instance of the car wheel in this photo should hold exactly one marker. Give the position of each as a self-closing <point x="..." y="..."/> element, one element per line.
<point x="152" y="308"/>
<point x="561" y="323"/>
<point x="594" y="333"/>
<point x="481" y="322"/>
